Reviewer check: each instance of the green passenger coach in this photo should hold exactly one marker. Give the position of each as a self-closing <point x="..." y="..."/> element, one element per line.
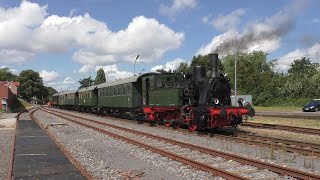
<point x="68" y="99"/>
<point x="54" y="99"/>
<point x="88" y="98"/>
<point x="121" y="96"/>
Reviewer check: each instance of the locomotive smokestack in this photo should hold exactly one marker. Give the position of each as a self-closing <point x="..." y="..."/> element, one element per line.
<point x="214" y="65"/>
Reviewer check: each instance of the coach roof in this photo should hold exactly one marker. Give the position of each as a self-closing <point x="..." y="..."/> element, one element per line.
<point x="56" y="94"/>
<point x="123" y="81"/>
<point x="91" y="88"/>
<point x="68" y="92"/>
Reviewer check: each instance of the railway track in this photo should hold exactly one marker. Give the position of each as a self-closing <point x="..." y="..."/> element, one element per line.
<point x="197" y="156"/>
<point x="300" y="147"/>
<point x="282" y="127"/>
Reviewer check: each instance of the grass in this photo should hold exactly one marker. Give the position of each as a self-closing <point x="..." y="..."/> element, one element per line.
<point x="308" y="123"/>
<point x="278" y="108"/>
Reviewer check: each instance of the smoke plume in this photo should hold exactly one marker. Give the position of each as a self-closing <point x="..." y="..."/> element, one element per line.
<point x="264" y="35"/>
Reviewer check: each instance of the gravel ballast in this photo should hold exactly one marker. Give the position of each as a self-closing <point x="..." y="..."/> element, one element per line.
<point x="108" y="158"/>
<point x="7" y="129"/>
<point x="297" y="161"/>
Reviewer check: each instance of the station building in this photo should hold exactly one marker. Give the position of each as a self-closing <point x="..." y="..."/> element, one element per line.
<point x="8" y="93"/>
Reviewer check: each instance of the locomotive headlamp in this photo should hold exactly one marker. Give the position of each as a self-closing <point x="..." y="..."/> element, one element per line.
<point x="216" y="101"/>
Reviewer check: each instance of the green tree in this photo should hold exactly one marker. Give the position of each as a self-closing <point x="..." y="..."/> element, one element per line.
<point x="6" y="75"/>
<point x="302" y="67"/>
<point x="51" y="91"/>
<point x="101" y="77"/>
<point x="86" y="82"/>
<point x="184" y="67"/>
<point x="31" y="85"/>
<point x="254" y="74"/>
<point x="199" y="60"/>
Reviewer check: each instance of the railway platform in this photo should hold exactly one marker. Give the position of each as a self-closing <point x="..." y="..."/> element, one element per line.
<point x="38" y="157"/>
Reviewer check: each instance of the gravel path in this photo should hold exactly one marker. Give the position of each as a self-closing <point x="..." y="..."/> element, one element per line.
<point x="304" y="163"/>
<point x="108" y="158"/>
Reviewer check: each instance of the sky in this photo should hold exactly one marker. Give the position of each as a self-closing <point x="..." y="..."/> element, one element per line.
<point x="66" y="41"/>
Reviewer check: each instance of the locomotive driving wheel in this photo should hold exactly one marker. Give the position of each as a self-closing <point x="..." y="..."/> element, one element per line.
<point x="192" y="127"/>
<point x="176" y="125"/>
<point x="168" y="124"/>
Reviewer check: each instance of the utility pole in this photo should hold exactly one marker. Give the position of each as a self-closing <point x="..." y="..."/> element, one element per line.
<point x="235" y="74"/>
<point x="134" y="65"/>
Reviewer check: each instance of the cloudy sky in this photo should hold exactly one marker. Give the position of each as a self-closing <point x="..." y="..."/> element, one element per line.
<point x="66" y="41"/>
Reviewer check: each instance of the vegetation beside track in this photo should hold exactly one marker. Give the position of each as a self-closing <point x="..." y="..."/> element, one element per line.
<point x="307" y="123"/>
<point x="277" y="108"/>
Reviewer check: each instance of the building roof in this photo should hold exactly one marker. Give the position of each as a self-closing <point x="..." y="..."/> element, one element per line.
<point x="68" y="92"/>
<point x="122" y="81"/>
<point x="17" y="84"/>
<point x="90" y="88"/>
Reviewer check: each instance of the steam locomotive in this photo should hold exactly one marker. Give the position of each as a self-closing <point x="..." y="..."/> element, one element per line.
<point x="173" y="99"/>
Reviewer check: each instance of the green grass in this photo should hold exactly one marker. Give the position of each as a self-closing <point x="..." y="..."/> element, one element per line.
<point x="308" y="123"/>
<point x="277" y="108"/>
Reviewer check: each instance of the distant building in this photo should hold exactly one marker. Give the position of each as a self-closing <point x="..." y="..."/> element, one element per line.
<point x="8" y="93"/>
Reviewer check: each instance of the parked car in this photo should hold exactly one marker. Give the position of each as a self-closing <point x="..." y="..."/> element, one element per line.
<point x="312" y="106"/>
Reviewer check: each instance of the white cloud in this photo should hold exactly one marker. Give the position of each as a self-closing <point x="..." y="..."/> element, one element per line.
<point x="13" y="71"/>
<point x="86" y="68"/>
<point x="67" y="84"/>
<point x="112" y="72"/>
<point x="28" y="30"/>
<point x="68" y="80"/>
<point x="312" y="52"/>
<point x="265" y="35"/>
<point x="316" y="20"/>
<point x="49" y="76"/>
<point x="13" y="56"/>
<point x="229" y="21"/>
<point x="171" y="65"/>
<point x="177" y="6"/>
<point x="206" y="18"/>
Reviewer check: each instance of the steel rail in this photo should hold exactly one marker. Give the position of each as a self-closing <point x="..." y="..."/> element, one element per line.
<point x="76" y="163"/>
<point x="283" y="127"/>
<point x="273" y="144"/>
<point x="176" y="157"/>
<point x="304" y="148"/>
<point x="257" y="163"/>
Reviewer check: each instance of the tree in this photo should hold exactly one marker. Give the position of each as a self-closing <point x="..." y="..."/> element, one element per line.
<point x="254" y="74"/>
<point x="199" y="61"/>
<point x="31" y="85"/>
<point x="51" y="91"/>
<point x="302" y="67"/>
<point x="86" y="82"/>
<point x="184" y="67"/>
<point x="6" y="75"/>
<point x="101" y="77"/>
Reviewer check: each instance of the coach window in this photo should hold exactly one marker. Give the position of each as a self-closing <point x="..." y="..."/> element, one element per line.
<point x="120" y="91"/>
<point x="129" y="89"/>
<point x="115" y="91"/>
<point x="125" y="90"/>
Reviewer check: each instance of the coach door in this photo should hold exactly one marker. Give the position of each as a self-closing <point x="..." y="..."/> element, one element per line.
<point x="147" y="84"/>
